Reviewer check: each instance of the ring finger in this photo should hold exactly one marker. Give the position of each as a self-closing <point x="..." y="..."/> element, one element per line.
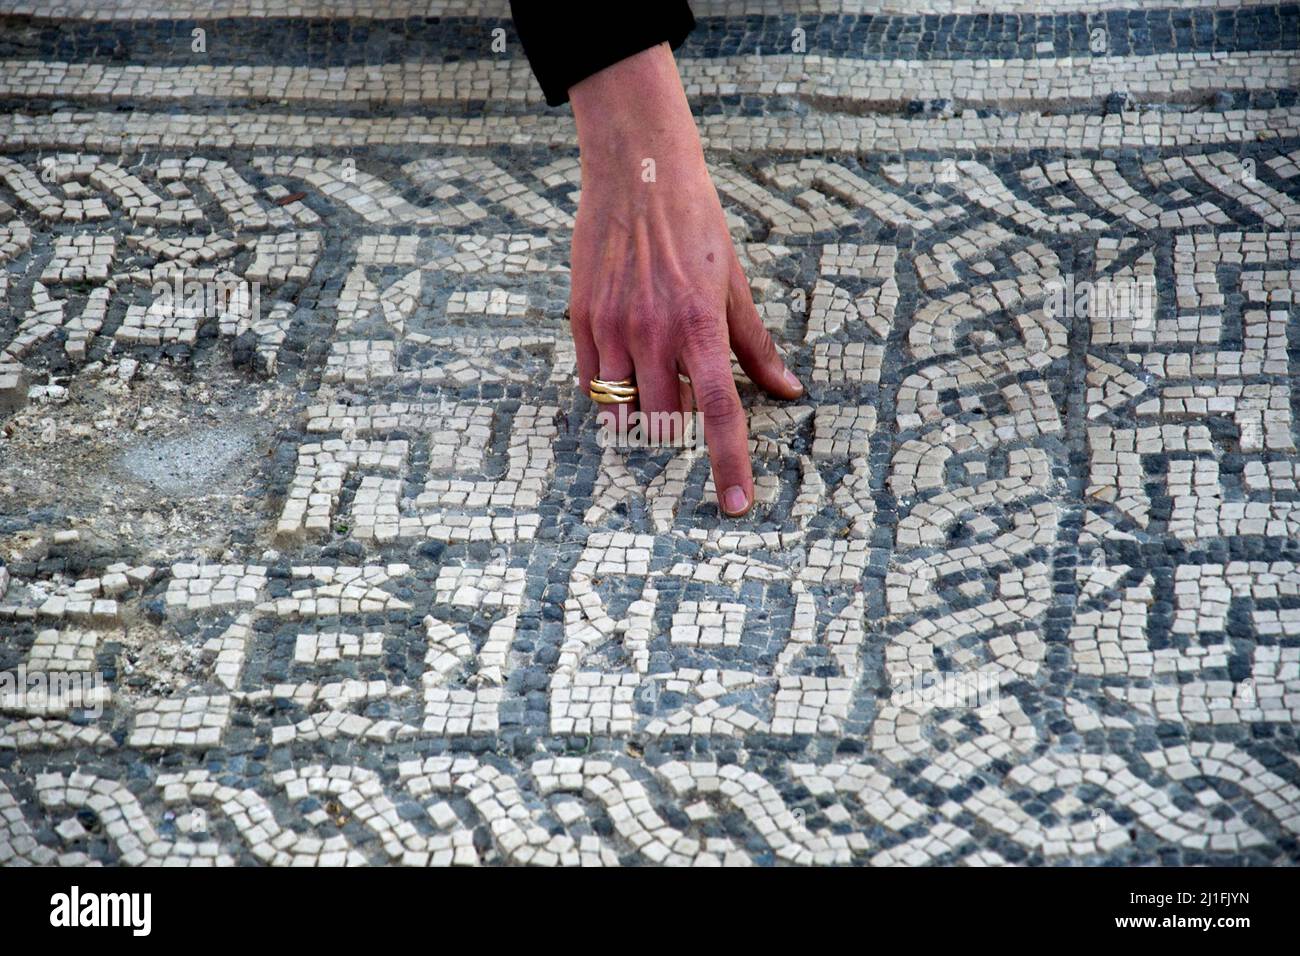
<point x="614" y="365"/>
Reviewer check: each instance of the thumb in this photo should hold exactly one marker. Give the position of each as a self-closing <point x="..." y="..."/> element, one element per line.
<point x="753" y="344"/>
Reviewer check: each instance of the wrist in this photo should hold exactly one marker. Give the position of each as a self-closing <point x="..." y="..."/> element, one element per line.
<point x="631" y="111"/>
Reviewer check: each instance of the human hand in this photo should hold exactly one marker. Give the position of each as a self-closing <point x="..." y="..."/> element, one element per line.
<point x="656" y="285"/>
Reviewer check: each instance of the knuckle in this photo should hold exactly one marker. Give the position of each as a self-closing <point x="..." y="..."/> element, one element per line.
<point x="717" y="399"/>
<point x="695" y="312"/>
<point x="698" y="332"/>
<point x="695" y="308"/>
<point x="644" y="328"/>
<point x="606" y="327"/>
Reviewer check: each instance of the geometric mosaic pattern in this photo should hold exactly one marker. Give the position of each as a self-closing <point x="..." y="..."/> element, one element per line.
<point x="291" y="453"/>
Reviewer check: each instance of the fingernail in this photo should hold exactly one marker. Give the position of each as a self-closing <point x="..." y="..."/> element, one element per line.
<point x="792" y="381"/>
<point x="734" y="501"/>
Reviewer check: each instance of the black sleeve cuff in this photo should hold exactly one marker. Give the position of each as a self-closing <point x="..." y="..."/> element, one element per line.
<point x="568" y="41"/>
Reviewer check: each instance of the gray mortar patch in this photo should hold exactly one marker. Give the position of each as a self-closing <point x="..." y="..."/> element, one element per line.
<point x="187" y="465"/>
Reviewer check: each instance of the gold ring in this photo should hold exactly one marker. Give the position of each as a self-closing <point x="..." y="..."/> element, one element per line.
<point x="621" y="392"/>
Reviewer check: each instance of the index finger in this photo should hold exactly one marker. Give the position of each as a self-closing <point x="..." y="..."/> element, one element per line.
<point x="707" y="357"/>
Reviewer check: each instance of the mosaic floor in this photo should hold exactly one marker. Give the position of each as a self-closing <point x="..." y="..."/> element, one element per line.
<point x="344" y="577"/>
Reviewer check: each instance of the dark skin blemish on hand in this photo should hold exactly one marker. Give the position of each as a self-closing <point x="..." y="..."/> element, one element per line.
<point x="710" y="257"/>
